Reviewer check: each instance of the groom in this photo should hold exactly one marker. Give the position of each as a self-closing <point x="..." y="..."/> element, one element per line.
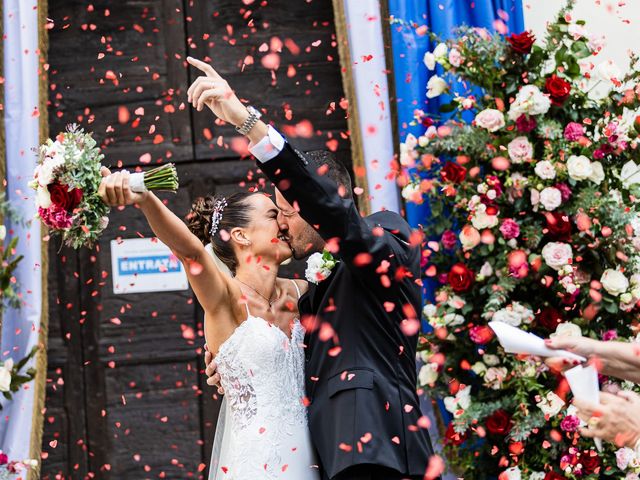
<point x="362" y="320"/>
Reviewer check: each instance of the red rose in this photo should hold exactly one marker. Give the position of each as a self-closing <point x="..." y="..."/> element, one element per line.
<point x="590" y="461"/>
<point x="558" y="226"/>
<point x="64" y="199"/>
<point x="554" y="476"/>
<point x="3" y="459"/>
<point x="481" y="334"/>
<point x="499" y="423"/>
<point x="453" y="438"/>
<point x="549" y="318"/>
<point x="460" y="278"/>
<point x="521" y="42"/>
<point x="558" y="89"/>
<point x="452" y="172"/>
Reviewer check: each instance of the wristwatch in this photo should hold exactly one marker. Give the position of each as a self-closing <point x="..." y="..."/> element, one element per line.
<point x="252" y="119"/>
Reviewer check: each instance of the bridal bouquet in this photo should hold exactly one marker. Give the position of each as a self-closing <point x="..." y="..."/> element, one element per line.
<point x="66" y="182"/>
<point x="11" y="469"/>
<point x="534" y="192"/>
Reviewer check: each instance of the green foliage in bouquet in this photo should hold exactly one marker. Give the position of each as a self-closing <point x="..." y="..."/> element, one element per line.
<point x="536" y="224"/>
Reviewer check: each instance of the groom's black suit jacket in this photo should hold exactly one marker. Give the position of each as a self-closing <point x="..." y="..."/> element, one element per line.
<point x="361" y="381"/>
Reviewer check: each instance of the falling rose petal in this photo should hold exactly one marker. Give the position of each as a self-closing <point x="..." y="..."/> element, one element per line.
<point x="424" y="422"/>
<point x="326" y="332"/>
<point x="187" y="332"/>
<point x="345" y="447"/>
<point x="271" y="61"/>
<point x="334" y="352"/>
<point x="410" y="327"/>
<point x="123" y="115"/>
<point x="195" y="268"/>
<point x="435" y="467"/>
<point x="422" y="30"/>
<point x="145" y="158"/>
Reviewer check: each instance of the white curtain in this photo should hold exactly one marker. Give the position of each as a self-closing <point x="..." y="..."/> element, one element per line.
<point x="20" y="328"/>
<point x="368" y="65"/>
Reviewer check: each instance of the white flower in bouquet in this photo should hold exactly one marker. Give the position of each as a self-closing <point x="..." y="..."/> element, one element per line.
<point x="535" y="199"/>
<point x="494" y="377"/>
<point x="482" y="220"/>
<point x="456" y="302"/>
<point x="479" y="368"/>
<point x="319" y="266"/>
<point x="411" y="191"/>
<point x="551" y="404"/>
<point x="537" y="476"/>
<point x="579" y="167"/>
<point x="456" y="405"/>
<point x="453" y="319"/>
<point x="512" y="473"/>
<point x="407" y="155"/>
<point x="557" y="254"/>
<point x="3" y="233"/>
<point x="550" y="198"/>
<point x="596" y="42"/>
<point x="567" y="329"/>
<point x="531" y="101"/>
<point x="624" y="456"/>
<point x="43" y="197"/>
<point x="45" y="173"/>
<point x="614" y="282"/>
<point x="577" y="31"/>
<point x="491" y="359"/>
<point x="5" y="375"/>
<point x="423" y="140"/>
<point x="597" y="175"/>
<point x="486" y="270"/>
<point x="429" y="60"/>
<point x="436" y="86"/>
<point x="520" y="150"/>
<point x="428" y="374"/>
<point x="608" y="71"/>
<point x="429" y="310"/>
<point x="630" y="174"/>
<point x="455" y="57"/>
<point x="441" y="50"/>
<point x="545" y="170"/>
<point x="469" y="237"/>
<point x="491" y="119"/>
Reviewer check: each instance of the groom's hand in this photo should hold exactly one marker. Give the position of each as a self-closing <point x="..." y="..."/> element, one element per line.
<point x="212" y="370"/>
<point x="213" y="91"/>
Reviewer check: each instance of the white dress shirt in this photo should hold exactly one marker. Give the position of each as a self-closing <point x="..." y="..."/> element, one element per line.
<point x="269" y="147"/>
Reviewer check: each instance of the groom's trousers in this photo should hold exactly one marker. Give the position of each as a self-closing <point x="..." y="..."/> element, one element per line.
<point x="371" y="472"/>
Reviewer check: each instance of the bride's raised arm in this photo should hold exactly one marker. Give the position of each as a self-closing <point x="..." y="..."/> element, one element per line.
<point x="211" y="286"/>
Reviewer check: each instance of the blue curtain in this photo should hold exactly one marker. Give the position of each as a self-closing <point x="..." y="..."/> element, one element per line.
<point x="411" y="76"/>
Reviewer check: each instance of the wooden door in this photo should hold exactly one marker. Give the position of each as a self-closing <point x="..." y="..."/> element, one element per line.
<point x="126" y="394"/>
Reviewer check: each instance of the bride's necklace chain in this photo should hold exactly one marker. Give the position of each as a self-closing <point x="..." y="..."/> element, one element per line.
<point x="270" y="302"/>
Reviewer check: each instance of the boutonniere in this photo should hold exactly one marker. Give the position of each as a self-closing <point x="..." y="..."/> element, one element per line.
<point x="319" y="266"/>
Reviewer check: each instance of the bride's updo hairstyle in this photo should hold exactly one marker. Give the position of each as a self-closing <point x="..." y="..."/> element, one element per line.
<point x="211" y="219"/>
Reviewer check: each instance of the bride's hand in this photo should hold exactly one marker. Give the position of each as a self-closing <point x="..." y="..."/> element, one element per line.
<point x="213" y="91"/>
<point x="115" y="191"/>
<point x="212" y="371"/>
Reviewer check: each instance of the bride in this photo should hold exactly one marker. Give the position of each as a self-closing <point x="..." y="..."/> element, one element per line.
<point x="251" y="320"/>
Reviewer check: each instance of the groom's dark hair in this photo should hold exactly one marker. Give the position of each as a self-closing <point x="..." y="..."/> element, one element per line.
<point x="321" y="160"/>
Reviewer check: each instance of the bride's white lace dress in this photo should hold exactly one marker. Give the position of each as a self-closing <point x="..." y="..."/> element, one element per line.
<point x="262" y="432"/>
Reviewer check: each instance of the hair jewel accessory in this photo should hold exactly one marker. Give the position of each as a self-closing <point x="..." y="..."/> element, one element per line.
<point x="216" y="216"/>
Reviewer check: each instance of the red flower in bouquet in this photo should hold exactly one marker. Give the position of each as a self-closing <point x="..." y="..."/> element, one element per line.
<point x="499" y="423"/>
<point x="558" y="90"/>
<point x="558" y="226"/>
<point x="526" y="124"/>
<point x="549" y="318"/>
<point x="451" y="437"/>
<point x="554" y="476"/>
<point x="521" y="42"/>
<point x="449" y="239"/>
<point x="481" y="334"/>
<point x="590" y="461"/>
<point x="452" y="172"/>
<point x="4" y="459"/>
<point x="460" y="278"/>
<point x="63" y="198"/>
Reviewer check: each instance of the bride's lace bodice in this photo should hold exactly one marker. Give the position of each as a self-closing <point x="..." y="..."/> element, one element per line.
<point x="266" y="434"/>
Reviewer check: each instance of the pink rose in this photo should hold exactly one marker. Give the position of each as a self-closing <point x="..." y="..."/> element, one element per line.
<point x="518" y="265"/>
<point x="570" y="423"/>
<point x="490" y="119"/>
<point x="510" y="229"/>
<point x="469" y="237"/>
<point x="55" y="217"/>
<point x="520" y="150"/>
<point x="573" y="131"/>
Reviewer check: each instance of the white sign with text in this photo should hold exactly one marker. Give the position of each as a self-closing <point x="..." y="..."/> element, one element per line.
<point x="145" y="265"/>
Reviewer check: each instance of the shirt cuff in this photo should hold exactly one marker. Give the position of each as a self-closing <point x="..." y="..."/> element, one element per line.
<point x="269" y="147"/>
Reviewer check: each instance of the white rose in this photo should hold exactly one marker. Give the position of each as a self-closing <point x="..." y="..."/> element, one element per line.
<point x="456" y="302"/>
<point x="512" y="473"/>
<point x="5" y="377"/>
<point x="491" y="119"/>
<point x="490" y="359"/>
<point x="529" y="100"/>
<point x="545" y="170"/>
<point x="429" y="310"/>
<point x="479" y="368"/>
<point x="455" y="58"/>
<point x="3" y="232"/>
<point x="557" y="254"/>
<point x="423" y="140"/>
<point x="608" y="71"/>
<point x="597" y="175"/>
<point x="520" y="150"/>
<point x="630" y="174"/>
<point x="567" y="329"/>
<point x="440" y="51"/>
<point x="453" y="319"/>
<point x="537" y="476"/>
<point x="316" y="268"/>
<point x="579" y="167"/>
<point x="550" y="198"/>
<point x="436" y="87"/>
<point x="486" y="270"/>
<point x="551" y="404"/>
<point x="428" y="374"/>
<point x="411" y="191"/>
<point x="429" y="60"/>
<point x="614" y="282"/>
<point x="507" y="316"/>
<point x="624" y="457"/>
<point x="460" y="402"/>
<point x="43" y="197"/>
